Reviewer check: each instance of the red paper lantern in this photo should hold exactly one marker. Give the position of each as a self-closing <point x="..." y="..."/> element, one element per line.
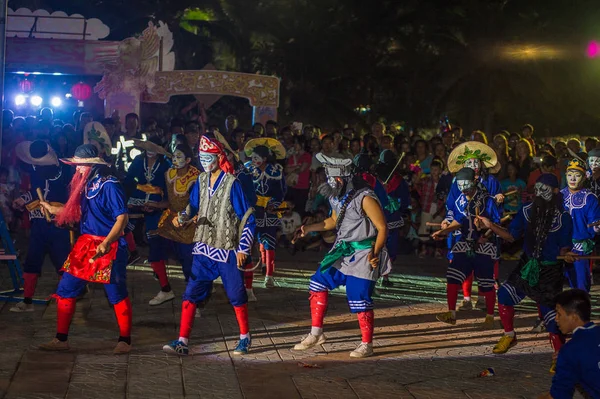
<point x="81" y="91"/>
<point x="26" y="86"/>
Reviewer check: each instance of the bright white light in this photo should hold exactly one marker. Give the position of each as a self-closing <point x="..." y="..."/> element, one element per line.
<point x="20" y="73"/>
<point x="80" y="104"/>
<point x="56" y="102"/>
<point x="36" y="73"/>
<point x="36" y="101"/>
<point x="68" y="95"/>
<point x="20" y="99"/>
<point x="57" y="74"/>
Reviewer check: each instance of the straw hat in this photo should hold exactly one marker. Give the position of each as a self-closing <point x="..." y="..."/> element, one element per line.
<point x="37" y="153"/>
<point x="86" y="154"/>
<point x="472" y="150"/>
<point x="273" y="145"/>
<point x="221" y="139"/>
<point x="94" y="133"/>
<point x="148" y="145"/>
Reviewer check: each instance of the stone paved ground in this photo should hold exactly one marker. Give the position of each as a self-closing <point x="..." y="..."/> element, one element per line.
<point x="416" y="356"/>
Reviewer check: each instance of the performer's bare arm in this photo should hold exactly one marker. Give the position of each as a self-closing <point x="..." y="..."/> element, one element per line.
<point x="375" y="214"/>
<point x="113" y="235"/>
<point x="53" y="209"/>
<point x="325" y="225"/>
<point x="498" y="230"/>
<point x="453" y="226"/>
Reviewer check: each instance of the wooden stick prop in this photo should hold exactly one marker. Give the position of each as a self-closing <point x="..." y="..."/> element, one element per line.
<point x="513" y="192"/>
<point x="393" y="170"/>
<point x="44" y="211"/>
<point x="72" y="237"/>
<point x="430" y="224"/>
<point x="582" y="257"/>
<point x="594" y="224"/>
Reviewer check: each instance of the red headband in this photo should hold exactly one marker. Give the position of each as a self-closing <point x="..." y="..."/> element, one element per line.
<point x="214" y="147"/>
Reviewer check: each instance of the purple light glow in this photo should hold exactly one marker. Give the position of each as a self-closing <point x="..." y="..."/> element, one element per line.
<point x="593" y="49"/>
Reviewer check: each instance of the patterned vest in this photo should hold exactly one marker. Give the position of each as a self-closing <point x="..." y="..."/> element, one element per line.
<point x="218" y="224"/>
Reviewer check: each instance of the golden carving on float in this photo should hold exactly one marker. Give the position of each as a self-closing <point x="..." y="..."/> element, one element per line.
<point x="260" y="90"/>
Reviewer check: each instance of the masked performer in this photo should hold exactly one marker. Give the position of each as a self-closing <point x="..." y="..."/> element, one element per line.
<point x="547" y="229"/>
<point x="46" y="238"/>
<point x="472" y="252"/>
<point x="179" y="180"/>
<point x="583" y="207"/>
<point x="483" y="160"/>
<point x="223" y="240"/>
<point x="146" y="180"/>
<point x="97" y="200"/>
<point x="358" y="257"/>
<point x="593" y="173"/>
<point x="398" y="201"/>
<point x="270" y="190"/>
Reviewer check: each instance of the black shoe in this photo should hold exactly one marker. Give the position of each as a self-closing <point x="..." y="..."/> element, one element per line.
<point x="133" y="257"/>
<point x="386" y="282"/>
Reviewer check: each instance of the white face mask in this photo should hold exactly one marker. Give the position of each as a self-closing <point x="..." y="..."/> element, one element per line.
<point x="208" y="161"/>
<point x="543" y="191"/>
<point x="179" y="160"/>
<point x="574" y="179"/>
<point x="465" y="185"/>
<point x="474" y="164"/>
<point x="257" y="160"/>
<point x="594" y="163"/>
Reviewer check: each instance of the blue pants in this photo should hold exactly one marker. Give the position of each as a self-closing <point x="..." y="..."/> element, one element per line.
<point x="358" y="290"/>
<point x="508" y="295"/>
<point x="46" y="239"/>
<point x="185" y="257"/>
<point x="71" y="286"/>
<point x="462" y="266"/>
<point x="579" y="275"/>
<point x="392" y="243"/>
<point x="206" y="270"/>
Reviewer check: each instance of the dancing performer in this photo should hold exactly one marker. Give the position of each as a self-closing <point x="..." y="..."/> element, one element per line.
<point x="46" y="238"/>
<point x="179" y="180"/>
<point x="593" y="173"/>
<point x="483" y="160"/>
<point x="471" y="252"/>
<point x="398" y="202"/>
<point x="223" y="240"/>
<point x="97" y="200"/>
<point x="146" y="179"/>
<point x="583" y="207"/>
<point x="270" y="190"/>
<point x="358" y="257"/>
<point x="547" y="229"/>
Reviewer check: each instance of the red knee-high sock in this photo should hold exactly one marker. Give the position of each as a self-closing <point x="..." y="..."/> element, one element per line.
<point x="467" y="286"/>
<point x="241" y="314"/>
<point x="496" y="269"/>
<point x="507" y="316"/>
<point x="490" y="301"/>
<point x="130" y="241"/>
<point x="270" y="255"/>
<point x="29" y="285"/>
<point x="65" y="308"/>
<point x="556" y="341"/>
<point x="366" y="323"/>
<point x="124" y="316"/>
<point x="318" y="307"/>
<point x="161" y="271"/>
<point x="188" y="311"/>
<point x="248" y="277"/>
<point x="263" y="254"/>
<point x="451" y="295"/>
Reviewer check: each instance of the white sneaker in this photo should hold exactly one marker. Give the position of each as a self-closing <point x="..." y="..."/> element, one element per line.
<point x="269" y="282"/>
<point x="162" y="297"/>
<point x="198" y="314"/>
<point x="251" y="296"/>
<point x="538" y="327"/>
<point x="22" y="307"/>
<point x="310" y="341"/>
<point x="363" y="350"/>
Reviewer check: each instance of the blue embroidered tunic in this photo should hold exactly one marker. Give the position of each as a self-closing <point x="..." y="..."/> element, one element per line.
<point x="584" y="209"/>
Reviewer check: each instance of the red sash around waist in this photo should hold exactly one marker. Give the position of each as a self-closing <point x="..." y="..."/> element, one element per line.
<point x="78" y="263"/>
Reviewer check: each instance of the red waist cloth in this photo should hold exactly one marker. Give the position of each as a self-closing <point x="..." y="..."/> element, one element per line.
<point x="78" y="263"/>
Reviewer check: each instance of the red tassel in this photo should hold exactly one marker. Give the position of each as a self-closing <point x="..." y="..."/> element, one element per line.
<point x="318" y="307"/>
<point x="241" y="314"/>
<point x="366" y="321"/>
<point x="188" y="311"/>
<point x="124" y="315"/>
<point x="65" y="308"/>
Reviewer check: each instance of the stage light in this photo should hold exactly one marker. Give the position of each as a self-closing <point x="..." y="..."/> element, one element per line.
<point x="20" y="99"/>
<point x="36" y="73"/>
<point x="36" y="101"/>
<point x="56" y="102"/>
<point x="57" y="74"/>
<point x="593" y="49"/>
<point x="20" y="73"/>
<point x="68" y="95"/>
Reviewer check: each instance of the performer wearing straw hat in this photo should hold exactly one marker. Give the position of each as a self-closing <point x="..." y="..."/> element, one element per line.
<point x="584" y="208"/>
<point x="472" y="253"/>
<point x="49" y="177"/>
<point x="358" y="257"/>
<point x="146" y="180"/>
<point x="547" y="229"/>
<point x="223" y="240"/>
<point x="270" y="191"/>
<point x="96" y="201"/>
<point x="483" y="160"/>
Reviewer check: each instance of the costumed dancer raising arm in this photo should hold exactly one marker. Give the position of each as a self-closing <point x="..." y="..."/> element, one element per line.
<point x="547" y="230"/>
<point x="97" y="201"/>
<point x="223" y="240"/>
<point x="358" y="257"/>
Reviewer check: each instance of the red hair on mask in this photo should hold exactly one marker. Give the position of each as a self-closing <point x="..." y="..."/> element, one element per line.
<point x="71" y="212"/>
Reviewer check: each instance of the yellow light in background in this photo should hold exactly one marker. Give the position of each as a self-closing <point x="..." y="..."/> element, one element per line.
<point x="531" y="52"/>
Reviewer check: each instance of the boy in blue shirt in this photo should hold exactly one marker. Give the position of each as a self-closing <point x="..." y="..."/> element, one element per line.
<point x="578" y="361"/>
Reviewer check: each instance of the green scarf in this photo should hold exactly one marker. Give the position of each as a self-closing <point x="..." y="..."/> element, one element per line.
<point x="587" y="246"/>
<point x="531" y="271"/>
<point x="343" y="249"/>
<point x="393" y="205"/>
